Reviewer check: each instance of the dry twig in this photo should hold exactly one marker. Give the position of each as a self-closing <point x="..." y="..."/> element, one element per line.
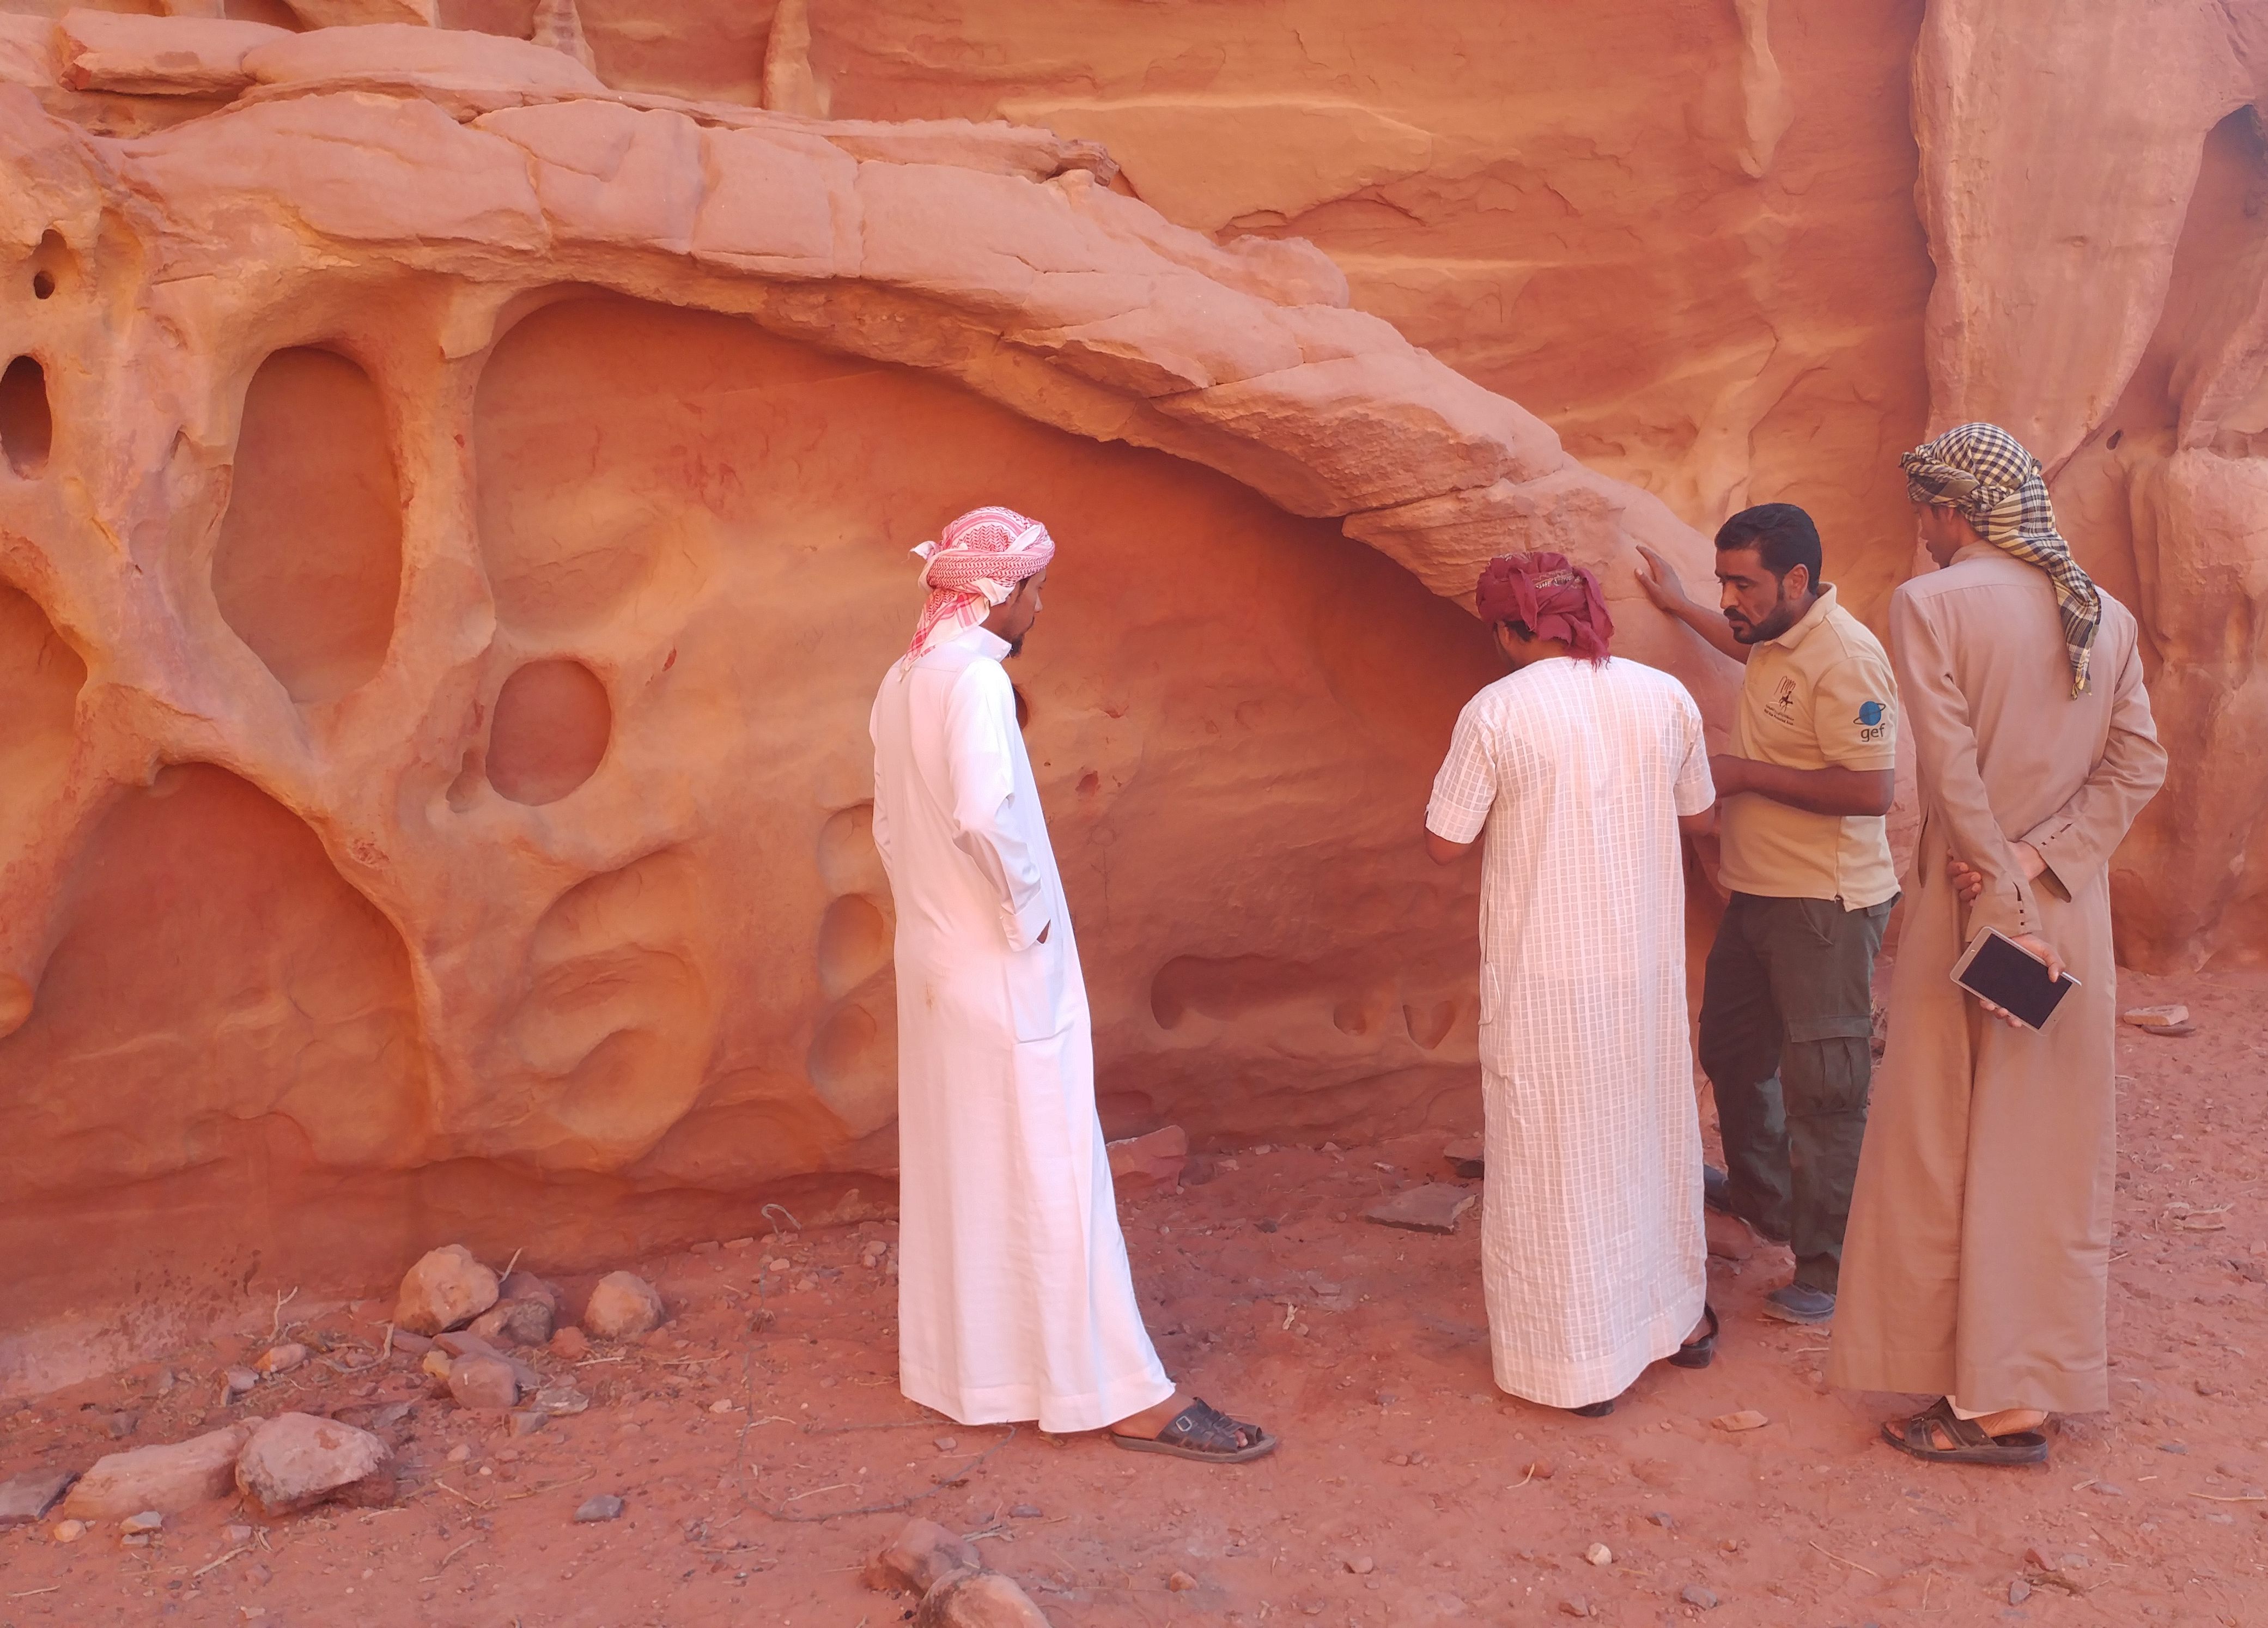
<point x="1854" y="1565"/>
<point x="241" y="1549"/>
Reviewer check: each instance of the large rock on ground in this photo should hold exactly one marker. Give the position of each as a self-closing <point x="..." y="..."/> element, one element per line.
<point x="295" y="1460"/>
<point x="447" y="1287"/>
<point x="970" y="1598"/>
<point x="622" y="1307"/>
<point x="170" y="1478"/>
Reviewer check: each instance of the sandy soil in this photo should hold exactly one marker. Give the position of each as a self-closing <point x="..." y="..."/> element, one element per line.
<point x="1408" y="1490"/>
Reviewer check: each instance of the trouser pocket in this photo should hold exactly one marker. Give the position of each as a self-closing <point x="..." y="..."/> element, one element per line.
<point x="1828" y="1064"/>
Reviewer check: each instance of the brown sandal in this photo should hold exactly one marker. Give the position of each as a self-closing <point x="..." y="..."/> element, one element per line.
<point x="1202" y="1430"/>
<point x="1972" y="1444"/>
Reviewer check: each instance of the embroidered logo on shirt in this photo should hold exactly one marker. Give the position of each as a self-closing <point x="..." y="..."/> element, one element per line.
<point x="1870" y="720"/>
<point x="1781" y="708"/>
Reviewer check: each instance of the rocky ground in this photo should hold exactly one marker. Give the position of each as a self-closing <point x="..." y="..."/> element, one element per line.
<point x="1407" y="1492"/>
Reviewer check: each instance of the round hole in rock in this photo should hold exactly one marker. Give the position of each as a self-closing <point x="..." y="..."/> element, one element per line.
<point x="27" y="430"/>
<point x="550" y="731"/>
<point x="309" y="561"/>
<point x="51" y="262"/>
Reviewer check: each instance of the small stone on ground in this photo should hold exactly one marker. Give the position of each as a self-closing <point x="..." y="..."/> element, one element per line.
<point x="1431" y="1208"/>
<point x="27" y="1498"/>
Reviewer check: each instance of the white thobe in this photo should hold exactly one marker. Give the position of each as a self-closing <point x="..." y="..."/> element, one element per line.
<point x="1015" y="1300"/>
<point x="1592" y="1252"/>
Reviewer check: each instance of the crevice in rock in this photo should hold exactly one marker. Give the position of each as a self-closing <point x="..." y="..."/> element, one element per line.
<point x="27" y="427"/>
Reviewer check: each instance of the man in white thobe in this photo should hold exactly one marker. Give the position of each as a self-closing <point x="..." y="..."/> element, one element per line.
<point x="1015" y="1299"/>
<point x="1581" y="770"/>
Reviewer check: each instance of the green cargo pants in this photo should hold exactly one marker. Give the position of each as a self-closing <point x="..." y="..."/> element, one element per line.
<point x="1786" y="1032"/>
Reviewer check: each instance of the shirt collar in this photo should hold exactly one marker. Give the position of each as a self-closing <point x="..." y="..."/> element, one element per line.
<point x="985" y="642"/>
<point x="1810" y="620"/>
<point x="1975" y="551"/>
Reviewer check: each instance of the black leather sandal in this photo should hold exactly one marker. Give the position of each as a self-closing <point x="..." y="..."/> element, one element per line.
<point x="1972" y="1444"/>
<point x="1202" y="1430"/>
<point x="1701" y="1352"/>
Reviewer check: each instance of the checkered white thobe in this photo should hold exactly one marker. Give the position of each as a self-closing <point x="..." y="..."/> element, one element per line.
<point x="1592" y="1250"/>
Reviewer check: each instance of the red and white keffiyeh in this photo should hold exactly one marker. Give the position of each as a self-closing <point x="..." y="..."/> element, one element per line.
<point x="975" y="563"/>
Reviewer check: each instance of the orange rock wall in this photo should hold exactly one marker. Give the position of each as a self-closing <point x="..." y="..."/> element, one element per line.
<point x="454" y="505"/>
<point x="1683" y="235"/>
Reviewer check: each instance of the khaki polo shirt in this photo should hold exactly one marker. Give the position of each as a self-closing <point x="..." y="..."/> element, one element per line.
<point x="1818" y="697"/>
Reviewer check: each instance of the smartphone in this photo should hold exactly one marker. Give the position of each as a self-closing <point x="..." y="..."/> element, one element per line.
<point x="1995" y="968"/>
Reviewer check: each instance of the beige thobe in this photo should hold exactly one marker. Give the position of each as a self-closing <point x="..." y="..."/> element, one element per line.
<point x="1978" y="1258"/>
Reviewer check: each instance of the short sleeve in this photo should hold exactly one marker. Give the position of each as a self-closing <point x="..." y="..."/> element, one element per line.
<point x="1695" y="789"/>
<point x="1465" y="789"/>
<point x="1854" y="714"/>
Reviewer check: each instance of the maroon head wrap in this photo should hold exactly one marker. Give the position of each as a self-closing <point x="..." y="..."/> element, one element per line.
<point x="1550" y="598"/>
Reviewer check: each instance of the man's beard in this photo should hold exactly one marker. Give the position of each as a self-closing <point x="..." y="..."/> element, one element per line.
<point x="1781" y="619"/>
<point x="1015" y="648"/>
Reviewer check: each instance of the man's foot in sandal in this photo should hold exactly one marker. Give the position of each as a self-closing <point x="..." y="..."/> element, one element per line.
<point x="1942" y="1436"/>
<point x="1198" y="1431"/>
<point x="1700" y="1347"/>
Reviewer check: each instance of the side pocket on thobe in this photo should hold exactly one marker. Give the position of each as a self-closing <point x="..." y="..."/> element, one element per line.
<point x="1035" y="992"/>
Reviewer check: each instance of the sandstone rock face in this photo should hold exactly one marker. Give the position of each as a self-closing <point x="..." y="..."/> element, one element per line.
<point x="454" y="489"/>
<point x="1684" y="236"/>
<point x="2106" y="305"/>
<point x="167" y="1478"/>
<point x="514" y="840"/>
<point x="295" y="1460"/>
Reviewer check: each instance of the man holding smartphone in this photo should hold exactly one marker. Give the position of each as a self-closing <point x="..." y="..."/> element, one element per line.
<point x="1786" y="1005"/>
<point x="1978" y="1258"/>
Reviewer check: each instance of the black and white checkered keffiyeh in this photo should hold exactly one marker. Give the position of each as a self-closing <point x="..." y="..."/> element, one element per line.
<point x="1985" y="473"/>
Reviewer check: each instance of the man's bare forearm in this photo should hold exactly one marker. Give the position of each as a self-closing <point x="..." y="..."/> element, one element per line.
<point x="1712" y="626"/>
<point x="1845" y="792"/>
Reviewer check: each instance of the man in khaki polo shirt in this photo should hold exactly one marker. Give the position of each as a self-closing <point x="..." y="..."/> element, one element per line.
<point x="1786" y="1011"/>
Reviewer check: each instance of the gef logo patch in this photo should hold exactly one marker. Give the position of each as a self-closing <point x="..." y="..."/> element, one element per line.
<point x="1870" y="720"/>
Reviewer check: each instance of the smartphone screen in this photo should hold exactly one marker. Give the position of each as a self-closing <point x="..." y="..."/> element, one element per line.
<point x="2012" y="979"/>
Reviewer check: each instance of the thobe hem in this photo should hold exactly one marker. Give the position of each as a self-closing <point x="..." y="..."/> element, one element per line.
<point x="1058" y="1415"/>
<point x="1577" y="1384"/>
<point x="1994" y="1388"/>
